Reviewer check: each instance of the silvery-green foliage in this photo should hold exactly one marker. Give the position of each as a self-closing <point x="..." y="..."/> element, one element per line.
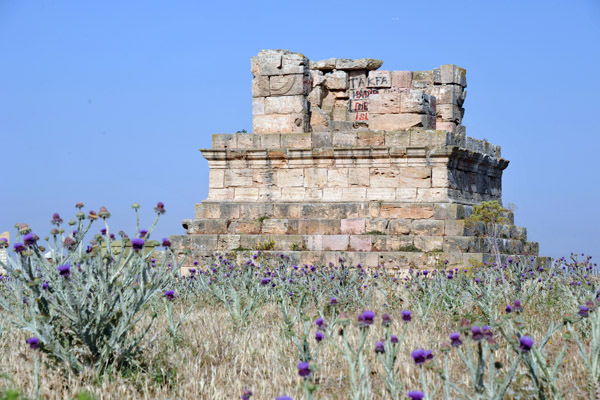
<point x="94" y="316"/>
<point x="589" y="349"/>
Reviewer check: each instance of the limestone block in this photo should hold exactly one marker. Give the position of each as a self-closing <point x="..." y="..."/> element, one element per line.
<point x="292" y="193"/>
<point x="285" y="105"/>
<point x="341" y="95"/>
<point x="429" y="138"/>
<point x="450" y="112"/>
<point x="393" y="139"/>
<point x="401" y="79"/>
<point x="332" y="194"/>
<point x="267" y="64"/>
<point x="427" y="227"/>
<point x="247" y="140"/>
<point x="296" y="141"/>
<point x="385" y="103"/>
<point x="340" y="110"/>
<point x="286" y="211"/>
<point x="250" y="227"/>
<point x="315" y="177"/>
<point x="314" y="242"/>
<point x="316" y="96"/>
<point x="345" y="139"/>
<point x="448" y="94"/>
<point x="235" y="177"/>
<point x="422" y="79"/>
<point x="354" y="226"/>
<point x="452" y="74"/>
<point x="216" y="178"/>
<point x="439" y="177"/>
<point x="288" y="85"/>
<point x="429" y="243"/>
<point x="335" y="242"/>
<point x="220" y="194"/>
<point x="370" y="139"/>
<point x="207" y="210"/>
<point x="313" y="194"/>
<point x="397" y="122"/>
<point x="228" y="242"/>
<point x="383" y="178"/>
<point x="415" y="177"/>
<point x="400" y="226"/>
<point x="454" y="227"/>
<point x="447" y="126"/>
<point x="260" y="86"/>
<point x="357" y="81"/>
<point x="269" y="194"/>
<point x="274" y="226"/>
<point x="414" y="101"/>
<point x="432" y="194"/>
<point x="406" y="194"/>
<point x="290" y="177"/>
<point x="317" y="78"/>
<point x="337" y="80"/>
<point x="337" y="177"/>
<point x="358" y="176"/>
<point x="223" y="141"/>
<point x="379" y="79"/>
<point x="319" y="120"/>
<point x="378" y="194"/>
<point x="360" y="243"/>
<point x="263" y="177"/>
<point x="246" y="194"/>
<point x="281" y="123"/>
<point x="361" y="63"/>
<point x="323" y="65"/>
<point x="258" y="106"/>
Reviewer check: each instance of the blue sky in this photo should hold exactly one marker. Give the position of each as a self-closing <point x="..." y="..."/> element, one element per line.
<point x="108" y="102"/>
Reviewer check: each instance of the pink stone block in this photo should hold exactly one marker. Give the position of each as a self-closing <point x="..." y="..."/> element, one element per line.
<point x="360" y="243"/>
<point x="353" y="226"/>
<point x="335" y="242"/>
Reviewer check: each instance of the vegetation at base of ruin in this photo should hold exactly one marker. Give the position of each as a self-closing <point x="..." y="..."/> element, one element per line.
<point x="241" y="248"/>
<point x="410" y="248"/>
<point x="227" y="328"/>
<point x="298" y="246"/>
<point x="374" y="233"/>
<point x="263" y="219"/>
<point x="266" y="245"/>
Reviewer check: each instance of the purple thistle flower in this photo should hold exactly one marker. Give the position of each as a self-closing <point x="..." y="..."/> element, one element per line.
<point x="477" y="333"/>
<point x="303" y="369"/>
<point x="367" y="317"/>
<point x="265" y="281"/>
<point x="247" y="394"/>
<point x="379" y="347"/>
<point x="56" y="219"/>
<point x="64" y="270"/>
<point x="394" y="339"/>
<point x="584" y="311"/>
<point x="508" y="309"/>
<point x="526" y="343"/>
<point x="284" y="398"/>
<point x="18" y="247"/>
<point x="30" y="239"/>
<point x="406" y="316"/>
<point x="160" y="208"/>
<point x="170" y="294"/>
<point x="320" y="322"/>
<point x="33" y="342"/>
<point x="137" y="244"/>
<point x="166" y="242"/>
<point x="428" y="355"/>
<point x="386" y="320"/>
<point x="419" y="356"/>
<point x="333" y="301"/>
<point x="517" y="305"/>
<point x="319" y="336"/>
<point x="416" y="395"/>
<point x="45" y="286"/>
<point x="143" y="233"/>
<point x="455" y="339"/>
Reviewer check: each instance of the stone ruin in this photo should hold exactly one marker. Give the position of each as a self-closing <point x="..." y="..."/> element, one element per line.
<point x="350" y="161"/>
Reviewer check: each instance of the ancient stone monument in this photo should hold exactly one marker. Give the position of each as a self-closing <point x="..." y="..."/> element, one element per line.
<point x="346" y="160"/>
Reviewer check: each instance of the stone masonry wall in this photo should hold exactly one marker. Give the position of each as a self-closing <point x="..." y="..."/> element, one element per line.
<point x="294" y="95"/>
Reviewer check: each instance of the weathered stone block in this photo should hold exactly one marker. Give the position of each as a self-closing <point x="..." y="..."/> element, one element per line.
<point x="361" y="63"/>
<point x="454" y="227"/>
<point x="258" y="106"/>
<point x="428" y="138"/>
<point x="293" y="193"/>
<point x="269" y="194"/>
<point x="406" y="194"/>
<point x="216" y="178"/>
<point x="379" y="79"/>
<point x="282" y="123"/>
<point x="246" y="194"/>
<point x="238" y="177"/>
<point x="385" y="103"/>
<point x="429" y="243"/>
<point x="360" y="243"/>
<point x="432" y="194"/>
<point x="397" y="139"/>
<point x="266" y="64"/>
<point x="247" y="140"/>
<point x="335" y="242"/>
<point x="400" y="226"/>
<point x="315" y="177"/>
<point x="337" y="80"/>
<point x="450" y="112"/>
<point x="275" y="226"/>
<point x="337" y="177"/>
<point x="370" y="139"/>
<point x="323" y="65"/>
<point x="383" y="178"/>
<point x="223" y="141"/>
<point x="439" y="177"/>
<point x="398" y="122"/>
<point x="452" y="74"/>
<point x="288" y="85"/>
<point x="401" y="79"/>
<point x="419" y="177"/>
<point x="414" y="101"/>
<point x="285" y="105"/>
<point x="260" y="86"/>
<point x="422" y="79"/>
<point x="220" y="194"/>
<point x="428" y="227"/>
<point x="358" y="177"/>
<point x="378" y="194"/>
<point x="290" y="177"/>
<point x="353" y="226"/>
<point x="332" y="194"/>
<point x="344" y="139"/>
<point x="354" y="194"/>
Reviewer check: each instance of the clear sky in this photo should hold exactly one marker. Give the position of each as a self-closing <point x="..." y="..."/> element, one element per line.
<point x="107" y="102"/>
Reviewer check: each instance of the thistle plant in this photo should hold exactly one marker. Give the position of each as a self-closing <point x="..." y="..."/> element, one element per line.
<point x="387" y="351"/>
<point x="590" y="354"/>
<point x="87" y="306"/>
